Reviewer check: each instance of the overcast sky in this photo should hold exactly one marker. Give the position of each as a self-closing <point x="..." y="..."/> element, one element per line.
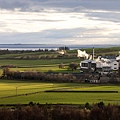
<point x="60" y="22"/>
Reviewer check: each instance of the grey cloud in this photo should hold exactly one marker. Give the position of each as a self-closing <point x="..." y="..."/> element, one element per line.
<point x="46" y="36"/>
<point x="104" y="16"/>
<point x="43" y="20"/>
<point x="4" y="4"/>
<point x="73" y="5"/>
<point x="88" y="4"/>
<point x="61" y="33"/>
<point x="27" y="38"/>
<point x="75" y="33"/>
<point x="55" y="36"/>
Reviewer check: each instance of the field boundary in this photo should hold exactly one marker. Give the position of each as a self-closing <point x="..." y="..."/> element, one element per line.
<point x="81" y="91"/>
<point x="22" y="94"/>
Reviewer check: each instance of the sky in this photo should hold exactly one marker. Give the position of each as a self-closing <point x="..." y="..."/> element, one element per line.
<point x="70" y="22"/>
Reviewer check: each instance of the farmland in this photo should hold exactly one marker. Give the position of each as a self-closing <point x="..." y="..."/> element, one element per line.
<point x="38" y="65"/>
<point x="13" y="91"/>
<point x="24" y="91"/>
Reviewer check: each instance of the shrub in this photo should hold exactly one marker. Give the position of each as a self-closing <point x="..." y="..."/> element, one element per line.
<point x="73" y="66"/>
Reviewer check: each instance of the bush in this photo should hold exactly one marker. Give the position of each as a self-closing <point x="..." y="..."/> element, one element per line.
<point x="60" y="112"/>
<point x="39" y="76"/>
<point x="73" y="66"/>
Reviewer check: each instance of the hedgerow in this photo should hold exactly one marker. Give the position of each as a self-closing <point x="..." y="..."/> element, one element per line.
<point x="32" y="111"/>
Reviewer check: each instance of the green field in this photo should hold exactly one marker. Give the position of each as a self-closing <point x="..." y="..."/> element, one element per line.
<point x="43" y="65"/>
<point x="14" y="87"/>
<point x="37" y="63"/>
<point x="14" y="91"/>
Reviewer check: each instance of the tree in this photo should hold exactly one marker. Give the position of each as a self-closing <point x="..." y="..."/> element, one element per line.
<point x="64" y="48"/>
<point x="73" y="66"/>
<point x="61" y="65"/>
<point x="6" y="71"/>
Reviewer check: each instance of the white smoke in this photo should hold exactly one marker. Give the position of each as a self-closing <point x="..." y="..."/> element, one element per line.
<point x="82" y="54"/>
<point x="62" y="52"/>
<point x="118" y="58"/>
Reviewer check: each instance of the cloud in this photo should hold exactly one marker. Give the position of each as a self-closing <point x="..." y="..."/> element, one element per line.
<point x="112" y="16"/>
<point x="5" y="4"/>
<point x="61" y="36"/>
<point x="72" y="5"/>
<point x="60" y="21"/>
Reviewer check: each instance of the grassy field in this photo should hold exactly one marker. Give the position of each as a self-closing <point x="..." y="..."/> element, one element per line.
<point x="23" y="88"/>
<point x="14" y="87"/>
<point x="39" y="65"/>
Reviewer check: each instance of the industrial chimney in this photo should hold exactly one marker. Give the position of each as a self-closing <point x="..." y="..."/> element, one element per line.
<point x="93" y="53"/>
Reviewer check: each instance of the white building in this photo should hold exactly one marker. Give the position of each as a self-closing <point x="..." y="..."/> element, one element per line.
<point x="103" y="64"/>
<point x="114" y="65"/>
<point x="88" y="64"/>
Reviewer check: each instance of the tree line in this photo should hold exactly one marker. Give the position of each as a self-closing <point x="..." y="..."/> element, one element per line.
<point x="7" y="51"/>
<point x="40" y="76"/>
<point x="37" y="111"/>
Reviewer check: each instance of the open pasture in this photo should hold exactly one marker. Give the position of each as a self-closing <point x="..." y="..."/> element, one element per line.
<point x="14" y="87"/>
<point x="37" y="63"/>
<point x="45" y="65"/>
<point x="8" y="87"/>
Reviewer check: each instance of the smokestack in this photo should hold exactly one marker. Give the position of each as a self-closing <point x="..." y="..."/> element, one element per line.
<point x="119" y="70"/>
<point x="93" y="53"/>
<point x="118" y="60"/>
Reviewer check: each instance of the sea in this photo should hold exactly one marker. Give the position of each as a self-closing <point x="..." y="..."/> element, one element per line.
<point x="34" y="47"/>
